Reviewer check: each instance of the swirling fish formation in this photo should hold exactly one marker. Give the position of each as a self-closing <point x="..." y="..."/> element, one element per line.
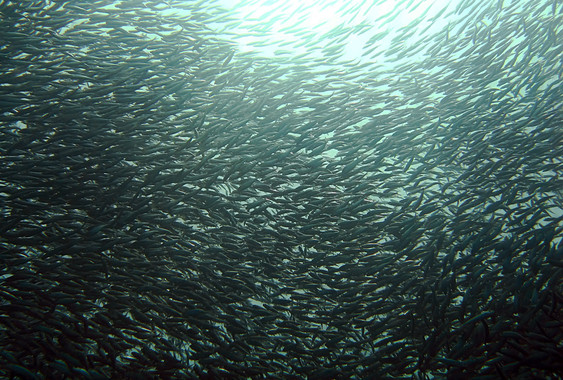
<point x="174" y="207"/>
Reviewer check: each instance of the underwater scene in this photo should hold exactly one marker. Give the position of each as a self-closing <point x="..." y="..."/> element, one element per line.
<point x="277" y="189"/>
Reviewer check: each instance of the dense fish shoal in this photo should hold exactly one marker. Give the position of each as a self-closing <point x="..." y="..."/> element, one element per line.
<point x="175" y="206"/>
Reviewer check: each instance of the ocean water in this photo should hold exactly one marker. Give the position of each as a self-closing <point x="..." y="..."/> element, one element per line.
<point x="278" y="189"/>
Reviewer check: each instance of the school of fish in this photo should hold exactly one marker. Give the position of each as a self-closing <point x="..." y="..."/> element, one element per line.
<point x="175" y="207"/>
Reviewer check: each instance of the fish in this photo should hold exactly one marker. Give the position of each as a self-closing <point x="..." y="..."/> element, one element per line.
<point x="186" y="193"/>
